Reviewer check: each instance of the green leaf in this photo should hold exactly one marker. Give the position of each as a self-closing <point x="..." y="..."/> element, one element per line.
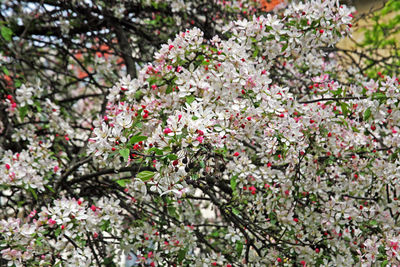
<point x="235" y="211"/>
<point x="37" y="105"/>
<point x="338" y="92"/>
<point x="5" y="70"/>
<point x="283" y="38"/>
<point x="190" y="99"/>
<point x="156" y="150"/>
<point x="105" y="225"/>
<point x="23" y="111"/>
<point x="33" y="192"/>
<point x="6" y="33"/>
<point x="346" y="238"/>
<point x="57" y="232"/>
<point x="367" y="114"/>
<point x="215" y="234"/>
<point x="256" y="51"/>
<point x="17" y="83"/>
<point x="123" y="182"/>
<point x="145" y="175"/>
<point x="345" y="108"/>
<point x="373" y="223"/>
<point x="239" y="247"/>
<point x="172" y="157"/>
<point x="384" y="263"/>
<point x="50" y="188"/>
<point x="284" y="47"/>
<point x="234" y="183"/>
<point x="304" y="22"/>
<point x="378" y="95"/>
<point x="170" y="88"/>
<point x="172" y="211"/>
<point x="182" y="253"/>
<point x="138" y="95"/>
<point x="108" y="262"/>
<point x="273" y="218"/>
<point x="137" y="139"/>
<point x="38" y="242"/>
<point x="152" y="80"/>
<point x="124" y="153"/>
<point x="202" y="164"/>
<point x="200" y="57"/>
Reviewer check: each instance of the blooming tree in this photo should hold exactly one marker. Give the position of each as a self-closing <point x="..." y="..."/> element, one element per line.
<point x="295" y="154"/>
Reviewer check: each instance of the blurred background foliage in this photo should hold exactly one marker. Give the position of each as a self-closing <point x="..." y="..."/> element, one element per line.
<point x="374" y="48"/>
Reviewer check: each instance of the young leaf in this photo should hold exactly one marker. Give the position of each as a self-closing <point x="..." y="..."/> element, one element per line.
<point x="172" y="157"/>
<point x="202" y="164"/>
<point x="373" y="223"/>
<point x="367" y="114"/>
<point x="124" y="153"/>
<point x="123" y="182"/>
<point x="50" y="188"/>
<point x="23" y="111"/>
<point x="137" y="139"/>
<point x="190" y="99"/>
<point x="379" y="96"/>
<point x="5" y="70"/>
<point x="156" y="150"/>
<point x="233" y="183"/>
<point x="145" y="175"/>
<point x="284" y="47"/>
<point x="33" y="193"/>
<point x="57" y="232"/>
<point x="235" y="211"/>
<point x="182" y="254"/>
<point x="6" y="33"/>
<point x="239" y="248"/>
<point x="345" y="108"/>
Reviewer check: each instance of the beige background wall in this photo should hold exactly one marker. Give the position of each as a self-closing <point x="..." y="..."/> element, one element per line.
<point x="362" y="21"/>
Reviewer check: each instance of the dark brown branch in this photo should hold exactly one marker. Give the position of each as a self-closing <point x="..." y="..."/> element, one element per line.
<point x="333" y="99"/>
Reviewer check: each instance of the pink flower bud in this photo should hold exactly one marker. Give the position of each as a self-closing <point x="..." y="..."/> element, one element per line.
<point x="167" y="131"/>
<point x="200" y="139"/>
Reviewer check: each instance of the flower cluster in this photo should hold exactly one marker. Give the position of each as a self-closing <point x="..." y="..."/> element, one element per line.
<point x="29" y="169"/>
<point x="73" y="223"/>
